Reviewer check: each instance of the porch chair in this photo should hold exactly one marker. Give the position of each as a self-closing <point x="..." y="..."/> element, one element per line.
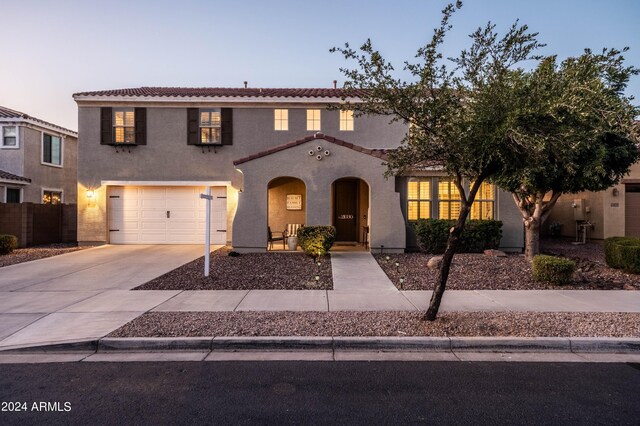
<point x="271" y="238"/>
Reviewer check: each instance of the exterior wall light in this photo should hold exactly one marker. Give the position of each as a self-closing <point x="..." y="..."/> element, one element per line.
<point x="615" y="192"/>
<point x="91" y="193"/>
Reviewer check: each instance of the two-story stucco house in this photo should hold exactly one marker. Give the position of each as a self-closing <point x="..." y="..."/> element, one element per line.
<point x="38" y="160"/>
<point x="272" y="157"/>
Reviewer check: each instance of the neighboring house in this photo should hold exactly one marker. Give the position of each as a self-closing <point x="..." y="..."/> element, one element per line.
<point x="38" y="160"/>
<point x="614" y="212"/>
<point x="271" y="156"/>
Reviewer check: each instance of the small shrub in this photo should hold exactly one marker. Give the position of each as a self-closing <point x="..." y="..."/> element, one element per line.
<point x="8" y="243"/>
<point x="478" y="235"/>
<point x="551" y="269"/>
<point x="623" y="253"/>
<point x="316" y="240"/>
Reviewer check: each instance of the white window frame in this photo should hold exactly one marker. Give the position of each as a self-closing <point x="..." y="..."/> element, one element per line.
<point x="346" y="118"/>
<point x="313" y="119"/>
<point x="2" y="145"/>
<point x="44" y="163"/>
<point x="42" y="191"/>
<point x="281" y="122"/>
<point x="6" y="190"/>
<point x="211" y="127"/>
<point x="114" y="127"/>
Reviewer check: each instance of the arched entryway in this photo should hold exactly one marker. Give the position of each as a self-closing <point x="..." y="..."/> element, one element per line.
<point x="351" y="212"/>
<point x="286" y="203"/>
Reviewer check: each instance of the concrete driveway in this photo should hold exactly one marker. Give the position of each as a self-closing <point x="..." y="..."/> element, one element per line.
<point x="83" y="294"/>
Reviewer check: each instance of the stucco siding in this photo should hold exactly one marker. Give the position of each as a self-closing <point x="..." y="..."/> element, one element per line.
<point x="49" y="177"/>
<point x="12" y="159"/>
<point x="250" y="224"/>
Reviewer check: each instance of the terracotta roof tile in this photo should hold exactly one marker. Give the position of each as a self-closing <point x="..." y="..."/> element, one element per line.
<point x="8" y="113"/>
<point x="11" y="176"/>
<point x="378" y="153"/>
<point x="171" y="92"/>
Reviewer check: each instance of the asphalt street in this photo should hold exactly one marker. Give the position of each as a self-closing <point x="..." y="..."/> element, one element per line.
<point x="320" y="393"/>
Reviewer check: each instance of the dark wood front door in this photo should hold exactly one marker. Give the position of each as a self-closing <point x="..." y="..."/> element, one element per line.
<point x="346" y="210"/>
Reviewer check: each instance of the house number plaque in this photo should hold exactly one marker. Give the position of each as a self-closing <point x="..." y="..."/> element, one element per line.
<point x="294" y="201"/>
<point x="345" y="216"/>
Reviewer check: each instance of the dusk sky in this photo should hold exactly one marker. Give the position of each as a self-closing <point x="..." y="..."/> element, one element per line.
<point x="56" y="48"/>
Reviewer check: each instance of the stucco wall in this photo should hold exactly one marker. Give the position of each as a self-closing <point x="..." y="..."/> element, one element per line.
<point x="49" y="177"/>
<point x="250" y="224"/>
<point x="12" y="159"/>
<point x="167" y="157"/>
<point x="607" y="210"/>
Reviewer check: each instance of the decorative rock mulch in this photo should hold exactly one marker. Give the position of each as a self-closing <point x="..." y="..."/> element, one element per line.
<point x="249" y="271"/>
<point x="472" y="271"/>
<point x="521" y="324"/>
<point x="34" y="253"/>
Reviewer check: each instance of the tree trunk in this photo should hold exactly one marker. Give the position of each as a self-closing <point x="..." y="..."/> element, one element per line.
<point x="447" y="258"/>
<point x="532" y="238"/>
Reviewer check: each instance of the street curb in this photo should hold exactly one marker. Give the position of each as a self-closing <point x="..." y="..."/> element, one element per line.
<point x="124" y="344"/>
<point x="323" y="343"/>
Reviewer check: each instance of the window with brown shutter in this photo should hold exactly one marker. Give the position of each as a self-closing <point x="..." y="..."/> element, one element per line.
<point x="123" y="126"/>
<point x="141" y="126"/>
<point x="106" y="128"/>
<point x="209" y="126"/>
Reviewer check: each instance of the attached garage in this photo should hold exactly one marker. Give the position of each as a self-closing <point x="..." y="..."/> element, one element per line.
<point x="632" y="210"/>
<point x="165" y="214"/>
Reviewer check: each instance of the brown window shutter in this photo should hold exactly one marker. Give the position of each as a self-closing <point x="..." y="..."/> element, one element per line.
<point x="193" y="126"/>
<point x="141" y="126"/>
<point x="106" y="126"/>
<point x="226" y="118"/>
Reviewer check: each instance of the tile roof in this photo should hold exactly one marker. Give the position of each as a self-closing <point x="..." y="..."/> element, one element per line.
<point x="8" y="113"/>
<point x="378" y="153"/>
<point x="203" y="92"/>
<point x="11" y="176"/>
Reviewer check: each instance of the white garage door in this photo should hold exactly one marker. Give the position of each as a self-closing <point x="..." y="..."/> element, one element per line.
<point x="165" y="215"/>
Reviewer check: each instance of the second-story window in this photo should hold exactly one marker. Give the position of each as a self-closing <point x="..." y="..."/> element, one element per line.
<point x="124" y="130"/>
<point x="9" y="137"/>
<point x="346" y="121"/>
<point x="313" y="119"/>
<point x="210" y="126"/>
<point x="281" y="119"/>
<point x="51" y="149"/>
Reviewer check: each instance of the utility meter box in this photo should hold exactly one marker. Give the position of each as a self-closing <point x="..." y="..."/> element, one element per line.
<point x="579" y="209"/>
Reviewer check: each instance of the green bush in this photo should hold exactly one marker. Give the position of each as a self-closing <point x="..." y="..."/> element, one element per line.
<point x="316" y="240"/>
<point x="551" y="269"/>
<point x="478" y="235"/>
<point x="8" y="243"/>
<point x="623" y="253"/>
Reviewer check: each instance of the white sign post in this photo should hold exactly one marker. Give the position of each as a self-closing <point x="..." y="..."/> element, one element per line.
<point x="207" y="237"/>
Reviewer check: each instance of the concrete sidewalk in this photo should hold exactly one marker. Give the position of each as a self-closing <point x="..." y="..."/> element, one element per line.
<point x="86" y="294"/>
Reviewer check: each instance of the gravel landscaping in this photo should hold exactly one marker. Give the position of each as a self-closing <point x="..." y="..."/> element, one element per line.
<point x="249" y="271"/>
<point x="472" y="271"/>
<point x="521" y="324"/>
<point x="39" y="252"/>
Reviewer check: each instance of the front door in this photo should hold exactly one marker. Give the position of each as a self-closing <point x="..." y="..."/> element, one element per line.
<point x="346" y="210"/>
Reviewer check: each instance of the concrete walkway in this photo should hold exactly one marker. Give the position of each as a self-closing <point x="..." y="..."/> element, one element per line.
<point x="85" y="294"/>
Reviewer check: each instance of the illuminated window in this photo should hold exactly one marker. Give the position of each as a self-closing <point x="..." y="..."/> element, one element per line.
<point x="346" y="121"/>
<point x="51" y="149"/>
<point x="124" y="126"/>
<point x="418" y="199"/>
<point x="9" y="137"/>
<point x="484" y="205"/>
<point x="281" y="119"/>
<point x="313" y="119"/>
<point x="448" y="199"/>
<point x="210" y="126"/>
<point x="51" y="197"/>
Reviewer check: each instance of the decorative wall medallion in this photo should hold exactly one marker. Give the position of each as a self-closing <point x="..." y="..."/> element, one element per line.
<point x="319" y="153"/>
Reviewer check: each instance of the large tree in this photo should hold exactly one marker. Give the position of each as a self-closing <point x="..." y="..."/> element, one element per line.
<point x="578" y="125"/>
<point x="458" y="111"/>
